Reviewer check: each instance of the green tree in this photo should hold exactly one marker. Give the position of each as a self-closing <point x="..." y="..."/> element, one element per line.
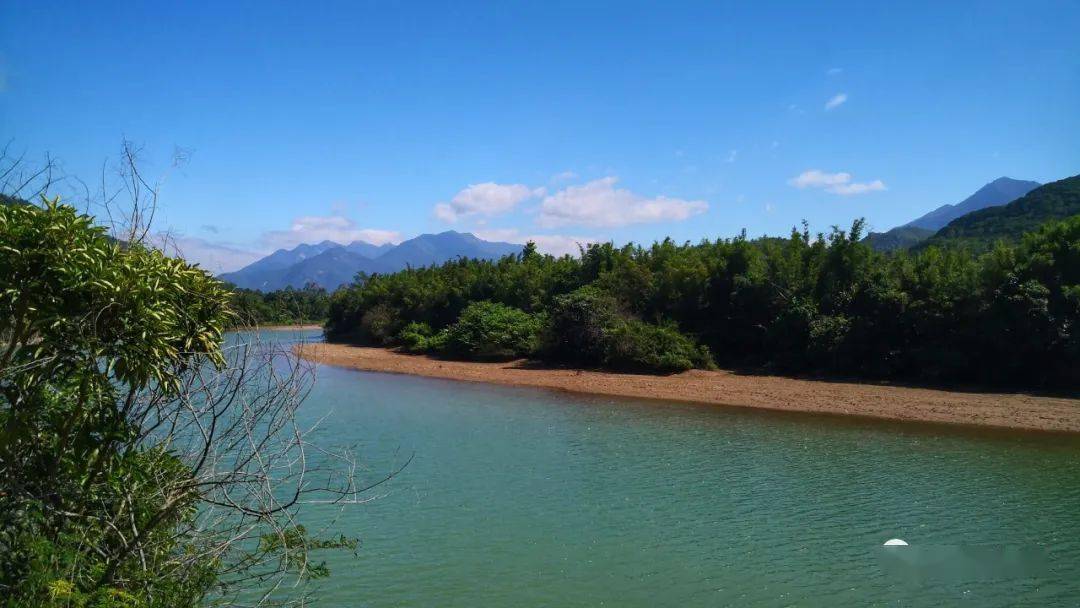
<point x="488" y="330"/>
<point x="129" y="458"/>
<point x="821" y="304"/>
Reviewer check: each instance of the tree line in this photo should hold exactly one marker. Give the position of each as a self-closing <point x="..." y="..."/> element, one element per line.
<point x="287" y="306"/>
<point x="805" y="304"/>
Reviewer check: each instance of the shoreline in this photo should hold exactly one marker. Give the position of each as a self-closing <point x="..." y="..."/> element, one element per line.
<point x="1015" y="411"/>
<point x="297" y="326"/>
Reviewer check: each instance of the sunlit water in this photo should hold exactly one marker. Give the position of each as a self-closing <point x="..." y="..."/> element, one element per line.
<point x="521" y="497"/>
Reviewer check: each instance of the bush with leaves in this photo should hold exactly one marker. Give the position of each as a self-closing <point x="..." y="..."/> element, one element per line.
<point x="126" y="472"/>
<point x="415" y="337"/>
<point x="379" y="325"/>
<point x="488" y="330"/>
<point x="578" y="326"/>
<point x="638" y="346"/>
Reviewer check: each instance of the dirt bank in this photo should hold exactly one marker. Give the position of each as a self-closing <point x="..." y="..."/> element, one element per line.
<point x="1004" y="410"/>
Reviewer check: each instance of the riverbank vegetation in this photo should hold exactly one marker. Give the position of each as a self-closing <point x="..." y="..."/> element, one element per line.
<point x="141" y="463"/>
<point x="806" y="304"/>
<point x="282" y="307"/>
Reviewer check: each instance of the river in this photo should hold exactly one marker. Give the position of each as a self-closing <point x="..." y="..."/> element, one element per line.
<point x="523" y="497"/>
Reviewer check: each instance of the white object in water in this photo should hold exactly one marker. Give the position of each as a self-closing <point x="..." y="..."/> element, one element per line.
<point x="895" y="542"/>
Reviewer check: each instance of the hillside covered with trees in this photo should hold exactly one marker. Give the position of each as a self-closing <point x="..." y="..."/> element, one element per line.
<point x="824" y="304"/>
<point x="1001" y="191"/>
<point x="981" y="228"/>
<point x="903" y="237"/>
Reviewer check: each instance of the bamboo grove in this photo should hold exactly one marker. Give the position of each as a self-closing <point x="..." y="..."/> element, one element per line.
<point x="824" y="304"/>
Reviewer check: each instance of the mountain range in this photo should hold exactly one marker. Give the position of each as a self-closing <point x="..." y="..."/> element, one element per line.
<point x="999" y="192"/>
<point x="330" y="265"/>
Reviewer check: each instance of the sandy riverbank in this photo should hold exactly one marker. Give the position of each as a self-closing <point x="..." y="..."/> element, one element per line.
<point x="1002" y="410"/>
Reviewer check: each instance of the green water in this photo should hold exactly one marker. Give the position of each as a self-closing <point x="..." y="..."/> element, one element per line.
<point x="520" y="497"/>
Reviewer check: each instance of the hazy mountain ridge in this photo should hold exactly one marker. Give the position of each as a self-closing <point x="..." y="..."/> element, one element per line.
<point x="367" y="249"/>
<point x="331" y="265"/>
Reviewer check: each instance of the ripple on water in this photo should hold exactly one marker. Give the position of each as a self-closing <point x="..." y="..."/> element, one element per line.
<point x="531" y="498"/>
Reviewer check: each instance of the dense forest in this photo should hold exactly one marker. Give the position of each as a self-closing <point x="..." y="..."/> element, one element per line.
<point x="808" y="304"/>
<point x="282" y="307"/>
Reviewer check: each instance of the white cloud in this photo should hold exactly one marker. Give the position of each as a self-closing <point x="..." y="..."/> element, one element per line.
<point x="731" y="156"/>
<point x="819" y="179"/>
<point x="836" y="101"/>
<point x="856" y="188"/>
<point x="565" y="176"/>
<point x="555" y="244"/>
<point x="837" y="183"/>
<point x="834" y="71"/>
<point x="318" y="228"/>
<point x="599" y="203"/>
<point x="485" y="199"/>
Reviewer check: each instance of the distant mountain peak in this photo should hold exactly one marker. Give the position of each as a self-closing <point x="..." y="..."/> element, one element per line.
<point x="330" y="264"/>
<point x="1001" y="191"/>
<point x="1053" y="201"/>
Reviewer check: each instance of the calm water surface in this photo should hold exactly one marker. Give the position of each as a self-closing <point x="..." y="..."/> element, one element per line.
<point x="521" y="497"/>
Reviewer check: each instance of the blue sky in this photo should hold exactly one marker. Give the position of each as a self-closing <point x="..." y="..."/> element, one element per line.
<point x="561" y="121"/>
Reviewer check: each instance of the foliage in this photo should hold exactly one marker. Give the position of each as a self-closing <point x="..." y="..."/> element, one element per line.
<point x="633" y="345"/>
<point x="283" y="307"/>
<point x="103" y="349"/>
<point x="578" y="326"/>
<point x="901" y="237"/>
<point x="416" y="337"/>
<point x="379" y="324"/>
<point x="823" y="304"/>
<point x="82" y="320"/>
<point x="488" y="330"/>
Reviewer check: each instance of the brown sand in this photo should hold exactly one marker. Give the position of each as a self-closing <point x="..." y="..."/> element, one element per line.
<point x="1003" y="410"/>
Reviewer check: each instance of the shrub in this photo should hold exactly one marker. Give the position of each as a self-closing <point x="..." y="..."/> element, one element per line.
<point x="487" y="330"/>
<point x="827" y="336"/>
<point x="635" y="345"/>
<point x="578" y="325"/>
<point x="379" y="324"/>
<point x="416" y="337"/>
